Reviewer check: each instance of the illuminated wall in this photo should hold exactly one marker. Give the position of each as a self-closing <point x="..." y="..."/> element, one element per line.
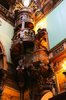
<point x="6" y="34"/>
<point x="55" y="22"/>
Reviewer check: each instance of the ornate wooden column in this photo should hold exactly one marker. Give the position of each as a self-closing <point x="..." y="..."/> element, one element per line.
<point x="2" y="78"/>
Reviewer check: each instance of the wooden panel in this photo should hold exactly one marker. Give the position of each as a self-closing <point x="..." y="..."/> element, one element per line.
<point x="10" y="94"/>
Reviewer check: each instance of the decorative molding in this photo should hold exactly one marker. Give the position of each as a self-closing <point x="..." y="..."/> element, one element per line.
<point x="47" y="8"/>
<point x="5" y="15"/>
<point x="58" y="50"/>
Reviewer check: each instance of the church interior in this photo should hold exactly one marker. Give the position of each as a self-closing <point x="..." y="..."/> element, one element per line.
<point x="32" y="50"/>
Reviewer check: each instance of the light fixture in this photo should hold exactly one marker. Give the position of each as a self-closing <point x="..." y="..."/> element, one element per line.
<point x="26" y="3"/>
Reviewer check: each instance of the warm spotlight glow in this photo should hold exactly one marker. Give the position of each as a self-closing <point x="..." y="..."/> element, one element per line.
<point x="64" y="65"/>
<point x="26" y="2"/>
<point x="41" y="24"/>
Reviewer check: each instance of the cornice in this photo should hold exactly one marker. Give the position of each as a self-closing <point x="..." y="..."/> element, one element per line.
<point x="48" y="8"/>
<point x="4" y="15"/>
<point x="58" y="52"/>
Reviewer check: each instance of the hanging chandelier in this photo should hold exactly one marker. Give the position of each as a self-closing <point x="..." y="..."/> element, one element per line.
<point x="26" y="3"/>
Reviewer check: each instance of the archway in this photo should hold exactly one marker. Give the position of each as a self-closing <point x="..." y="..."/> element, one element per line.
<point x="3" y="58"/>
<point x="47" y="95"/>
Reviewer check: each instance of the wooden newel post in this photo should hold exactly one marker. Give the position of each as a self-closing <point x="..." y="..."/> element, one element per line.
<point x="21" y="94"/>
<point x="21" y="88"/>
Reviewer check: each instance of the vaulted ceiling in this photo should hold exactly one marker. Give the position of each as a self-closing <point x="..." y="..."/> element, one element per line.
<point x="40" y="7"/>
